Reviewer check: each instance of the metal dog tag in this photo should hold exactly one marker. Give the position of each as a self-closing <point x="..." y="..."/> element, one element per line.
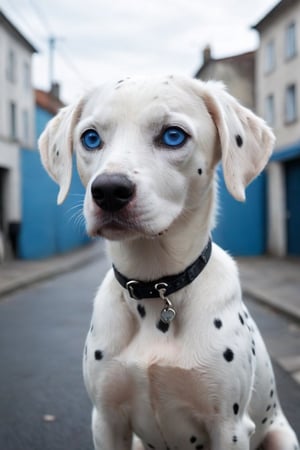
<point x="167" y="314"/>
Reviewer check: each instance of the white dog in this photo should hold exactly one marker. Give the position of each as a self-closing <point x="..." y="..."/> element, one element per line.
<point x="172" y="356"/>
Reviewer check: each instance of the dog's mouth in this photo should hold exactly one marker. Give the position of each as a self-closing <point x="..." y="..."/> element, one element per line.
<point x="115" y="226"/>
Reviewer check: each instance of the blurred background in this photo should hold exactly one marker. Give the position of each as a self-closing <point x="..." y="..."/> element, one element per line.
<point x="52" y="51"/>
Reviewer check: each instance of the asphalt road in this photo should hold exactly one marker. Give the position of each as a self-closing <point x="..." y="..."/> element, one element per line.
<point x="43" y="403"/>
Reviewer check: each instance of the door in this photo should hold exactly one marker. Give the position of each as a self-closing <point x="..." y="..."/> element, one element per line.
<point x="293" y="206"/>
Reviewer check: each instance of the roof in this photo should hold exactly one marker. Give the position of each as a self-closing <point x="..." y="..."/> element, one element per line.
<point x="7" y="24"/>
<point x="233" y="59"/>
<point x="279" y="8"/>
<point x="48" y="101"/>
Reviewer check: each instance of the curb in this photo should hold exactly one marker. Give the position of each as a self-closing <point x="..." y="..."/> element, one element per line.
<point x="286" y="309"/>
<point x="53" y="267"/>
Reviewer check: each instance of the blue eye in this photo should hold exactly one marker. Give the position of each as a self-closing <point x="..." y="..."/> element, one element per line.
<point x="91" y="140"/>
<point x="174" y="137"/>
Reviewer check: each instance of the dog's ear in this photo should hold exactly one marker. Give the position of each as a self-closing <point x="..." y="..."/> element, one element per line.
<point x="246" y="142"/>
<point x="56" y="147"/>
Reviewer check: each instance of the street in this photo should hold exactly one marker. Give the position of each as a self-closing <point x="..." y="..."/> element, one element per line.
<point x="43" y="404"/>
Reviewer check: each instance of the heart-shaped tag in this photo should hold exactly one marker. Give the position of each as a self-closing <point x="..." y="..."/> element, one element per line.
<point x="167" y="314"/>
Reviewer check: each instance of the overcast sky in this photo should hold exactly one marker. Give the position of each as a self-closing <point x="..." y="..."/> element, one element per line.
<point x="100" y="39"/>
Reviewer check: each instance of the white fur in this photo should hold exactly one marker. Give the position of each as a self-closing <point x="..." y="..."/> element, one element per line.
<point x="173" y="389"/>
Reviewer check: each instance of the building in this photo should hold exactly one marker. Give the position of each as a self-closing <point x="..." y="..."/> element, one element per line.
<point x="17" y="125"/>
<point x="237" y="73"/>
<point x="47" y="229"/>
<point x="237" y="220"/>
<point x="278" y="101"/>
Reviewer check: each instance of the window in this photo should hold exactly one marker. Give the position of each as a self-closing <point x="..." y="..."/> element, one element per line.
<point x="13" y="120"/>
<point x="25" y="120"/>
<point x="290" y="104"/>
<point x="270" y="110"/>
<point x="290" y="41"/>
<point x="26" y="74"/>
<point x="11" y="66"/>
<point x="270" y="60"/>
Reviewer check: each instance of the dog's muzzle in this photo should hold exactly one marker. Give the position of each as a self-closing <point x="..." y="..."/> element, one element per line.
<point x="111" y="192"/>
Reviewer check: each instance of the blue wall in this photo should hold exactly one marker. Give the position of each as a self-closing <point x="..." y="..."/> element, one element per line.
<point x="46" y="228"/>
<point x="241" y="227"/>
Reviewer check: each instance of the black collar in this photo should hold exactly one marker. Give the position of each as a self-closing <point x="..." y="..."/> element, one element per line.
<point x="171" y="283"/>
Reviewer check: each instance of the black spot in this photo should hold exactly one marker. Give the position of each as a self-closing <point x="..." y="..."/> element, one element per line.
<point x="274" y="406"/>
<point x="264" y="420"/>
<point x="193" y="439"/>
<point x="98" y="355"/>
<point x="271" y="393"/>
<point x="239" y="140"/>
<point x="200" y="171"/>
<point x="236" y="408"/>
<point x="57" y="153"/>
<point x="268" y="408"/>
<point x="199" y="447"/>
<point x="141" y="310"/>
<point x="218" y="323"/>
<point x="162" y="326"/>
<point x="228" y="355"/>
<point x="253" y="351"/>
<point x="234" y="439"/>
<point x="120" y="81"/>
<point x="246" y="314"/>
<point x="241" y="319"/>
<point x="150" y="446"/>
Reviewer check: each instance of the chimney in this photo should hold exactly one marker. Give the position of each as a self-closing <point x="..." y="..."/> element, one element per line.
<point x="206" y="54"/>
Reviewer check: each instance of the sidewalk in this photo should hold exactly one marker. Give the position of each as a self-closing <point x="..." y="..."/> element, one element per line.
<point x="20" y="273"/>
<point x="275" y="282"/>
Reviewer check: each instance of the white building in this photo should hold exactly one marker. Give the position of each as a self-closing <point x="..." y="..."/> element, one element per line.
<point x="278" y="101"/>
<point x="17" y="110"/>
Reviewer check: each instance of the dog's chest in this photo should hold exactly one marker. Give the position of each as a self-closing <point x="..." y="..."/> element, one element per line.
<point x="164" y="381"/>
<point x="154" y="381"/>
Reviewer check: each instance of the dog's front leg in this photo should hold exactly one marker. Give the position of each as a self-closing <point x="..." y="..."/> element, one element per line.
<point x="111" y="432"/>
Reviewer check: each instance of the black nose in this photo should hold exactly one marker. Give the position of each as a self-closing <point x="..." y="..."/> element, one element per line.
<point x="112" y="192"/>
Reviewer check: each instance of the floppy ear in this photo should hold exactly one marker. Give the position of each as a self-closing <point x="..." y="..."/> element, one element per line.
<point x="56" y="147"/>
<point x="246" y="141"/>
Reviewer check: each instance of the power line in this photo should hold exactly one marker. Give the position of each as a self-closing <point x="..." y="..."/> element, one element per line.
<point x="49" y="37"/>
<point x="22" y="20"/>
<point x="52" y="41"/>
<point x="40" y="15"/>
<point x="69" y="61"/>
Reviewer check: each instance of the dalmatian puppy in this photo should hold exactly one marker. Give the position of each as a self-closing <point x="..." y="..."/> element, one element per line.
<point x="173" y="359"/>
